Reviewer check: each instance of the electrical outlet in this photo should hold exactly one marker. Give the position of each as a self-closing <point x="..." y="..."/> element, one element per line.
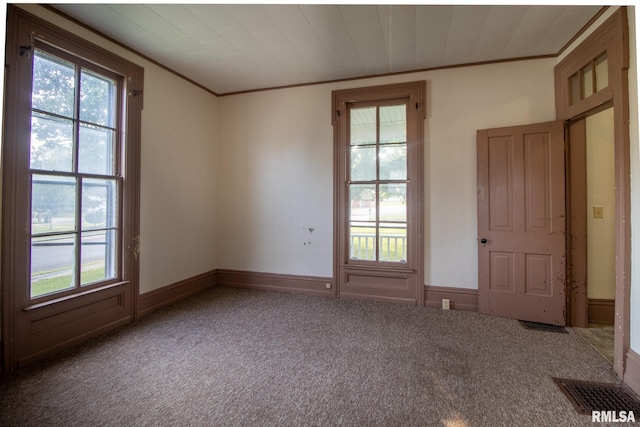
<point x="446" y="305"/>
<point x="327" y="285"/>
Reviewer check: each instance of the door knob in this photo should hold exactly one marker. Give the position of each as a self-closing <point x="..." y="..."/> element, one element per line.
<point x="483" y="241"/>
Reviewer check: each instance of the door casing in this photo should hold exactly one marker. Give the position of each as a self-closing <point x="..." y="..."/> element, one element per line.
<point x="613" y="37"/>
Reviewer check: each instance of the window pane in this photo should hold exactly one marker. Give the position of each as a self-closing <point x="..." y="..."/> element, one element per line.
<point x="602" y="72"/>
<point x="98" y="203"/>
<point x="576" y="92"/>
<point x="53" y="85"/>
<point x="362" y="242"/>
<point x="53" y="204"/>
<point x="75" y="216"/>
<point x="97" y="99"/>
<point x="363" y="202"/>
<point x="363" y="163"/>
<point x="96" y="150"/>
<point x="392" y="202"/>
<point x="363" y="126"/>
<point x="393" y="242"/>
<point x="393" y="124"/>
<point x="51" y="143"/>
<point x="98" y="256"/>
<point x="393" y="162"/>
<point x="52" y="264"/>
<point x="587" y="80"/>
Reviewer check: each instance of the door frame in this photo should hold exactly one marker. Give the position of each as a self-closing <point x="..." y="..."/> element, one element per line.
<point x="613" y="37"/>
<point x="577" y="218"/>
<point x="576" y="207"/>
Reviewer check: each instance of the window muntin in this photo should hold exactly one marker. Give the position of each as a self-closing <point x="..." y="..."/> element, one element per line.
<point x="75" y="214"/>
<point x="589" y="80"/>
<point x="378" y="183"/>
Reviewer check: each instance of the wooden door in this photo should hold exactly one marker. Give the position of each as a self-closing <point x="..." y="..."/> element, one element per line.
<point x="521" y="223"/>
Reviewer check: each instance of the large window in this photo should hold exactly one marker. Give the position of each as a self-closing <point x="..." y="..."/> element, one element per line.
<point x="378" y="140"/>
<point x="70" y="189"/>
<point x="378" y="183"/>
<point x="74" y="174"/>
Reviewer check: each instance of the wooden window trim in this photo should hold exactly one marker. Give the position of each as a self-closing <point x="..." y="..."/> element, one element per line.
<point x="22" y="29"/>
<point x="606" y="39"/>
<point x="116" y="176"/>
<point x="417" y="93"/>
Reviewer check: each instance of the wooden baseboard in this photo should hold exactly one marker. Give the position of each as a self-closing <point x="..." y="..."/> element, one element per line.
<point x="632" y="371"/>
<point x="275" y="282"/>
<point x="601" y="311"/>
<point x="459" y="298"/>
<point x="159" y="298"/>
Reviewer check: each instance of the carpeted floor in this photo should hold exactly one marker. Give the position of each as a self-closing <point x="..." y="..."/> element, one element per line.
<point x="233" y="357"/>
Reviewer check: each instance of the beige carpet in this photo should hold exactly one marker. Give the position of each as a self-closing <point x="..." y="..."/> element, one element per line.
<point x="231" y="357"/>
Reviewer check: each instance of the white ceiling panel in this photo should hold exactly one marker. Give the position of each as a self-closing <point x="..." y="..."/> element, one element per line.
<point x="162" y="29"/>
<point x="187" y="45"/>
<point x="221" y="48"/>
<point x="543" y="15"/>
<point x="200" y="32"/>
<point x="177" y="15"/>
<point x="214" y="15"/>
<point x="229" y="48"/>
<point x="507" y="13"/>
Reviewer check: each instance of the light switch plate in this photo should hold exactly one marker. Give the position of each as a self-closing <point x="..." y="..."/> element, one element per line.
<point x="598" y="212"/>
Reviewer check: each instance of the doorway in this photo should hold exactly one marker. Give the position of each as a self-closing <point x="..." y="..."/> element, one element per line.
<point x="592" y="75"/>
<point x="592" y="224"/>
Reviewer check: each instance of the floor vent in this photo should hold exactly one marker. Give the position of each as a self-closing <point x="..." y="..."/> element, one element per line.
<point x="588" y="396"/>
<point x="535" y="326"/>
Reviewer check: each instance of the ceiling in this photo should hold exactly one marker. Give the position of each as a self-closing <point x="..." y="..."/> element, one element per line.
<point x="229" y="48"/>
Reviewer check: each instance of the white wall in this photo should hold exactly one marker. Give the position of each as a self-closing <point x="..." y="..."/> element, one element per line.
<point x="178" y="232"/>
<point x="276" y="182"/>
<point x="178" y="177"/>
<point x="601" y="253"/>
<point x="276" y="171"/>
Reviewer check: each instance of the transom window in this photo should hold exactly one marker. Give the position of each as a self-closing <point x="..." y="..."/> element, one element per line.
<point x="590" y="79"/>
<point x="74" y="172"/>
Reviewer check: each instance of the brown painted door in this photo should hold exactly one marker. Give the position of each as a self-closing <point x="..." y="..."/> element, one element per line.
<point x="521" y="222"/>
